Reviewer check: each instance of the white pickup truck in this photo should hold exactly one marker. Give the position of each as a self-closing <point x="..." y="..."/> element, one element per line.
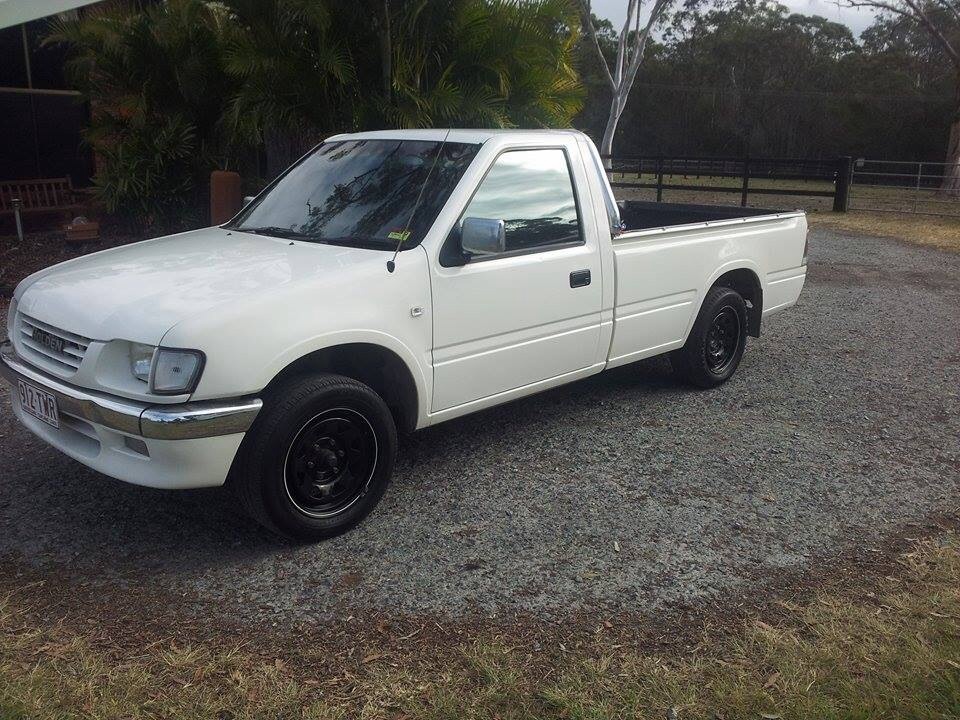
<point x="387" y="281"/>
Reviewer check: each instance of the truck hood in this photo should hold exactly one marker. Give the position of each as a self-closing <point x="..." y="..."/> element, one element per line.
<point x="138" y="292"/>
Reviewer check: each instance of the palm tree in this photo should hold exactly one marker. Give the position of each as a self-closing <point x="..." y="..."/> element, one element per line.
<point x="309" y="67"/>
<point x="157" y="88"/>
<point x="182" y="87"/>
<point x="481" y="63"/>
<point x="296" y="77"/>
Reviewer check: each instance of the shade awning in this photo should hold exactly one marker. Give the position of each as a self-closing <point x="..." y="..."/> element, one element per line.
<point x="15" y="12"/>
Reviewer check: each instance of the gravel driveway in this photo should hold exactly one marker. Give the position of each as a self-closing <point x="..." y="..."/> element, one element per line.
<point x="625" y="491"/>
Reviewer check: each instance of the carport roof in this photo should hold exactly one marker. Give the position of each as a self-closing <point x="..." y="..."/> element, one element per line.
<point x="15" y="12"/>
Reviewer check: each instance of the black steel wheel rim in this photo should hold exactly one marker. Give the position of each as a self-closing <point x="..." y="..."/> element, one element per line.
<point x="723" y="339"/>
<point x="330" y="462"/>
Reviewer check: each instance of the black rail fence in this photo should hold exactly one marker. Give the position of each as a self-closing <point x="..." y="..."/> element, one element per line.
<point x="828" y="178"/>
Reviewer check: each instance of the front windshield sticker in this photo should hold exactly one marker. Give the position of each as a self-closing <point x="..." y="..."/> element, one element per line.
<point x="400" y="235"/>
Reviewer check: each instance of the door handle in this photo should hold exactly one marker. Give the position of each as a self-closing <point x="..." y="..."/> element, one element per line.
<point x="579" y="278"/>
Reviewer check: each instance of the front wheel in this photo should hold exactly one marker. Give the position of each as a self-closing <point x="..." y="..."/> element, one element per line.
<point x="716" y="343"/>
<point x="318" y="459"/>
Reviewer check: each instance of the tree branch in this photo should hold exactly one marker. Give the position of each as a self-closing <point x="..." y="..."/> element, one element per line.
<point x="636" y="35"/>
<point x="623" y="41"/>
<point x="935" y="31"/>
<point x="916" y="12"/>
<point x="587" y="22"/>
<point x="879" y="5"/>
<point x="951" y="7"/>
<point x="643" y="36"/>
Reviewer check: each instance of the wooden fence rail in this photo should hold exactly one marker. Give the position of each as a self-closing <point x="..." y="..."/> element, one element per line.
<point x="663" y="168"/>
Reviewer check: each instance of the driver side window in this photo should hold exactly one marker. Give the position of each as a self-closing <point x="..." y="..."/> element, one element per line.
<point x="531" y="191"/>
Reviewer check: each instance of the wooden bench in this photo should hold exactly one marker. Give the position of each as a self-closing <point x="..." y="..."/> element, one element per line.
<point x="45" y="195"/>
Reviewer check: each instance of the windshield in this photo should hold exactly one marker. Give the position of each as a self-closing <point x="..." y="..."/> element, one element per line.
<point x="361" y="193"/>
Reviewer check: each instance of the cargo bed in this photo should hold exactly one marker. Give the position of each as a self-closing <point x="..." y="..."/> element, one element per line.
<point x="642" y="215"/>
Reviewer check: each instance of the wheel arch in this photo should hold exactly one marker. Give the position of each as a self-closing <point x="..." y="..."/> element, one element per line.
<point x="745" y="279"/>
<point x="388" y="369"/>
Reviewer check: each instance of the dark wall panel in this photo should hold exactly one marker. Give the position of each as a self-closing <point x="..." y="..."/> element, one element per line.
<point x="18" y="158"/>
<point x="13" y="65"/>
<point x="40" y="134"/>
<point x="51" y="149"/>
<point x="46" y="61"/>
<point x="60" y="120"/>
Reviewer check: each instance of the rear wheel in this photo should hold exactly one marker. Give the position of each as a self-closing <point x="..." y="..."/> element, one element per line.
<point x="318" y="459"/>
<point x="716" y="343"/>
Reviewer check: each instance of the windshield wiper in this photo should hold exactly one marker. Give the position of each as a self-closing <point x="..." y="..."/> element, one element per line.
<point x="279" y="232"/>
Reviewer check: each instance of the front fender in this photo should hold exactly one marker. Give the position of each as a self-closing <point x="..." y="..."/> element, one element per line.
<point x="416" y="366"/>
<point x="255" y="369"/>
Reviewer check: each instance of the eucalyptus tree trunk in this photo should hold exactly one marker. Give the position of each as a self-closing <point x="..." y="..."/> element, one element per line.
<point x="613" y="119"/>
<point x="630" y="47"/>
<point x="950" y="186"/>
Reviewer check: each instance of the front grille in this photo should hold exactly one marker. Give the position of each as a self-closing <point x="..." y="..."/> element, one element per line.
<point x="68" y="357"/>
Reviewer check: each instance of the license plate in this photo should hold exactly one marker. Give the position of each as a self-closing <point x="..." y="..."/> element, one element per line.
<point x="39" y="403"/>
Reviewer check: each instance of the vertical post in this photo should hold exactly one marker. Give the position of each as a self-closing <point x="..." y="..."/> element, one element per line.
<point x="841" y="195"/>
<point x="17" y="203"/>
<point x="746" y="182"/>
<point x="916" y="195"/>
<point x="226" y="199"/>
<point x="660" y="179"/>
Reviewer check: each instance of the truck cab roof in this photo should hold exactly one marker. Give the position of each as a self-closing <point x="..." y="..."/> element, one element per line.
<point x="463" y="135"/>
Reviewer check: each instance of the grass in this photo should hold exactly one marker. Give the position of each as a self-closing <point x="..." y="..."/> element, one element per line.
<point x="935" y="231"/>
<point x="882" y="198"/>
<point x="727" y="198"/>
<point x="888" y="651"/>
<point x="939" y="231"/>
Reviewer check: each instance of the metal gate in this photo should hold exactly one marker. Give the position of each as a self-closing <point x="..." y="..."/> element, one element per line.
<point x="901" y="186"/>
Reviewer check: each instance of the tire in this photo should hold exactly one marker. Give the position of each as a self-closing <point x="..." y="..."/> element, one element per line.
<point x="716" y="343"/>
<point x="318" y="458"/>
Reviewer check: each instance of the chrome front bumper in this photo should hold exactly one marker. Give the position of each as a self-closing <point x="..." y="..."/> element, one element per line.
<point x="202" y="419"/>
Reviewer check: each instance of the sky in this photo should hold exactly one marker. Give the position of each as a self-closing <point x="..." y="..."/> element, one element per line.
<point x="856" y="19"/>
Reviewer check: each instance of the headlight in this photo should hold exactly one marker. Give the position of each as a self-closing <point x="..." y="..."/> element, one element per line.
<point x="176" y="371"/>
<point x="141" y="359"/>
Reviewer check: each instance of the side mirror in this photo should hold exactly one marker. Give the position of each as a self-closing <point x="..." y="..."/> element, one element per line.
<point x="247" y="200"/>
<point x="483" y="236"/>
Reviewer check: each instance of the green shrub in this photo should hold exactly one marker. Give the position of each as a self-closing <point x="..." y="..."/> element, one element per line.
<point x="184" y="87"/>
<point x="157" y="88"/>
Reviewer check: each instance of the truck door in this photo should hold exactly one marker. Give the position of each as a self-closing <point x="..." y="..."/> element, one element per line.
<point x="529" y="310"/>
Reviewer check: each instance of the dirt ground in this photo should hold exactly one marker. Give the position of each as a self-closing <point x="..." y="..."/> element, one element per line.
<point x="625" y="495"/>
